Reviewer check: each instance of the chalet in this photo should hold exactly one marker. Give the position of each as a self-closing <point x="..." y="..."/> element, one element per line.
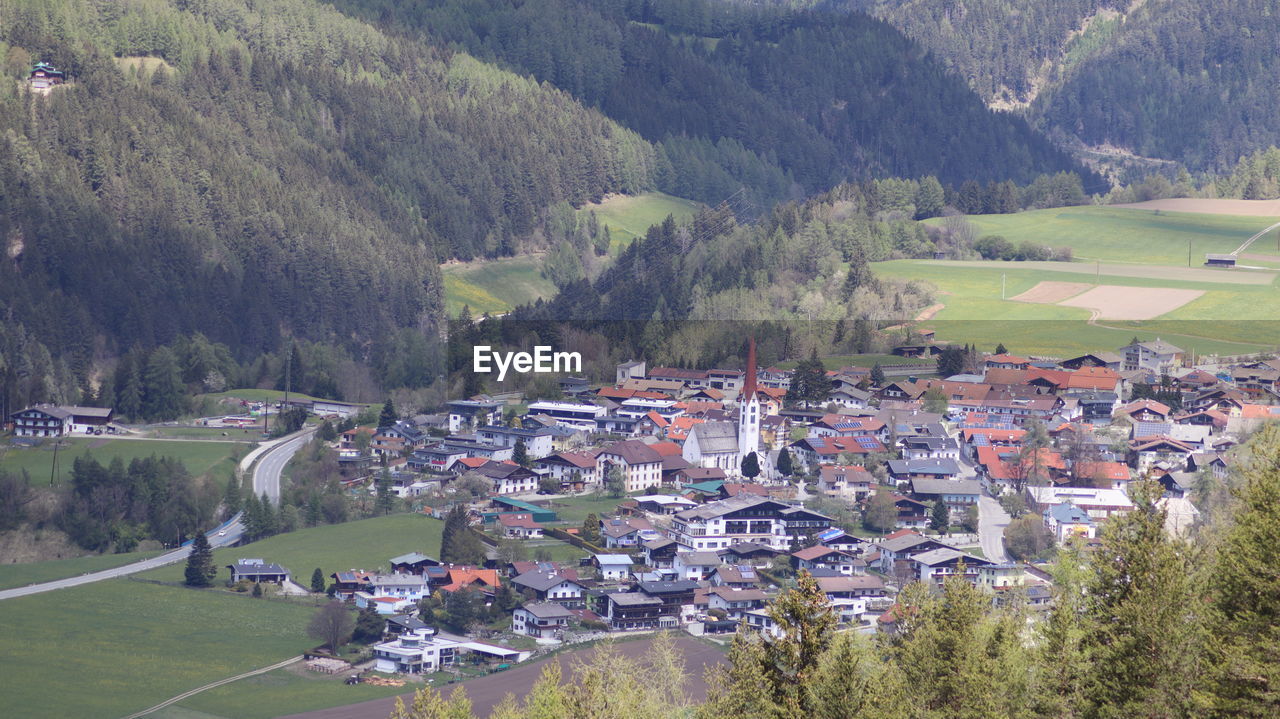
<point x="1067" y="520"/>
<point x="676" y="596"/>
<point x="852" y="482"/>
<point x="929" y="447"/>
<point x="46" y="420"/>
<point x="540" y="619"/>
<point x="695" y="565"/>
<point x="820" y="557"/>
<point x="1157" y="356"/>
<point x="912" y="514"/>
<point x="1108" y="360"/>
<point x="537" y="441"/>
<point x="850" y="397"/>
<point x="1006" y="361"/>
<point x="467" y="413"/>
<point x="257" y="570"/>
<point x="746" y="518"/>
<point x="618" y="532"/>
<point x="839" y="425"/>
<point x="550" y="586"/>
<point x="411" y="587"/>
<point x="752" y="552"/>
<point x="346" y="584"/>
<point x="1144" y="410"/>
<point x="837" y="538"/>
<point x="936" y="566"/>
<point x="660" y="553"/>
<point x="629" y="611"/>
<point x="574" y="470"/>
<point x="612" y="566"/>
<point x="902" y="470"/>
<point x="734" y="601"/>
<point x="902" y="545"/>
<point x="738" y="576"/>
<point x="412" y="563"/>
<point x="44" y="77"/>
<point x="1148" y="452"/>
<point x="958" y="494"/>
<point x="507" y="477"/>
<point x="813" y="451"/>
<point x="519" y="525"/>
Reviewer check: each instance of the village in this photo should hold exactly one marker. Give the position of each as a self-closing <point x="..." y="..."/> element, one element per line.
<point x="712" y="491"/>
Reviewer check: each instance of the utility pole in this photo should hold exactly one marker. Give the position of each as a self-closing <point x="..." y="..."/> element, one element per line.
<point x="1188" y="252"/>
<point x="53" y="471"/>
<point x="1002" y="279"/>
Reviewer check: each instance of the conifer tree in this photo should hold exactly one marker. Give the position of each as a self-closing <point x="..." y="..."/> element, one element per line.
<point x="877" y="375"/>
<point x="784" y="464"/>
<point x="940" y="516"/>
<point x="388" y="417"/>
<point x="317" y="581"/>
<point x="520" y="453"/>
<point x="200" y="569"/>
<point x="751" y="466"/>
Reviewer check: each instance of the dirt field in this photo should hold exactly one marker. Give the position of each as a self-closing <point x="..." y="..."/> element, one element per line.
<point x="1251" y="208"/>
<point x="1050" y="292"/>
<point x="1115" y="269"/>
<point x="486" y="692"/>
<point x="928" y="312"/>
<point x="1113" y="302"/>
<point x="1258" y="257"/>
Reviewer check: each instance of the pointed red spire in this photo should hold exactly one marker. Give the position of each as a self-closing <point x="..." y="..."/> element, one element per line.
<point x="749" y="386"/>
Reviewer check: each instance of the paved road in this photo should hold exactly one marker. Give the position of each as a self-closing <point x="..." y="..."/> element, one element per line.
<point x="266" y="478"/>
<point x="485" y="692"/>
<point x="992" y="519"/>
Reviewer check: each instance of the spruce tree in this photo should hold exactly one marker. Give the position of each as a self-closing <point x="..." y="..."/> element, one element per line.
<point x="200" y="570"/>
<point x="783" y="464"/>
<point x="940" y="517"/>
<point x="388" y="417"/>
<point x="269" y="518"/>
<point x="591" y="529"/>
<point x="751" y="466"/>
<point x="520" y="454"/>
<point x="231" y="499"/>
<point x="386" y="500"/>
<point x="1000" y="349"/>
<point x="317" y="581"/>
<point x="877" y="375"/>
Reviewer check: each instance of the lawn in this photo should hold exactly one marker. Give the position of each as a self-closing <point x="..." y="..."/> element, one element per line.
<point x="200" y="456"/>
<point x="363" y="544"/>
<point x="1227" y="319"/>
<point x="20" y="575"/>
<point x="630" y="216"/>
<point x="835" y="362"/>
<point x="494" y="286"/>
<point x="283" y="691"/>
<point x="572" y="511"/>
<point x="119" y="646"/>
<point x="1127" y="235"/>
<point x="255" y="395"/>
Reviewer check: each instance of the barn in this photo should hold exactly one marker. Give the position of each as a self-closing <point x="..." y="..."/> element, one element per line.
<point x="1216" y="260"/>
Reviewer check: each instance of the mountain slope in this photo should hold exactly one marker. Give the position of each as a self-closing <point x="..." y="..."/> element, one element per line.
<point x="287" y="170"/>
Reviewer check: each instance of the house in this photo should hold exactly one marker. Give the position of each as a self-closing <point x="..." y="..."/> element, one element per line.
<point x="853" y="482"/>
<point x="820" y="557"/>
<point x="1097" y="503"/>
<point x="935" y="566"/>
<point x="399" y="586"/>
<point x="902" y="470"/>
<point x="537" y="441"/>
<point x="540" y="619"/>
<point x="46" y="420"/>
<point x="745" y="518"/>
<point x="849" y="596"/>
<point x="816" y="450"/>
<point x="1108" y="360"/>
<point x="573" y="414"/>
<point x="740" y="576"/>
<point x="1144" y="410"/>
<point x="43" y="77"/>
<point x="574" y="470"/>
<point x="1148" y="452"/>
<point x="752" y="552"/>
<point x="1157" y="356"/>
<point x="612" y="566"/>
<point x="519" y="525"/>
<point x="626" y="532"/>
<point x="660" y="553"/>
<point x="663" y="503"/>
<point x="677" y="596"/>
<point x="507" y="477"/>
<point x="713" y="444"/>
<point x="509" y="504"/>
<point x="734" y="601"/>
<point x="929" y="447"/>
<point x="626" y="611"/>
<point x="1067" y="520"/>
<point x="903" y="545"/>
<point x="695" y="565"/>
<point x="346" y="584"/>
<point x="467" y="414"/>
<point x="836" y="538"/>
<point x="550" y="586"/>
<point x="417" y="652"/>
<point x="412" y="563"/>
<point x="640" y="464"/>
<point x="257" y="570"/>
<point x="1006" y="361"/>
<point x="912" y="514"/>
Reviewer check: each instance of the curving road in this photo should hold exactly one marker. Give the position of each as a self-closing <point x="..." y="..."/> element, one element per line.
<point x="266" y="478"/>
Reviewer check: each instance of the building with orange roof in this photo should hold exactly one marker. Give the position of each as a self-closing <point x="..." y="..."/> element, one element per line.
<point x="459" y="577"/>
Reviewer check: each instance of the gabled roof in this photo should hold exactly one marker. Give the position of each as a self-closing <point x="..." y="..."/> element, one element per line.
<point x="810" y="554"/>
<point x="547" y="610"/>
<point x="540" y="580"/>
<point x="633" y="451"/>
<point x="946" y="486"/>
<point x="411" y="558"/>
<point x="716" y="437"/>
<point x="831" y="585"/>
<point x="943" y="555"/>
<point x="1068" y="513"/>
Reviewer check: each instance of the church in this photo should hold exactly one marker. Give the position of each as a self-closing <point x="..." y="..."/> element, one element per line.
<point x="722" y="444"/>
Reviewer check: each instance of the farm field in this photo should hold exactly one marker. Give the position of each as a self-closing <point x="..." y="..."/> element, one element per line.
<point x="866" y="360"/>
<point x="630" y="216"/>
<point x="20" y="575"/>
<point x="362" y="544"/>
<point x="499" y="285"/>
<point x="276" y="693"/>
<point x="200" y="456"/>
<point x="1140" y="236"/>
<point x="121" y="646"/>
<point x="1226" y="319"/>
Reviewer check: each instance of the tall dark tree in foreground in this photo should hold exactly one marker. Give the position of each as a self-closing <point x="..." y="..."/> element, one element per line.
<point x="317" y="581"/>
<point x="388" y="417"/>
<point x="459" y="544"/>
<point x="200" y="570"/>
<point x="751" y="466"/>
<point x="784" y="464"/>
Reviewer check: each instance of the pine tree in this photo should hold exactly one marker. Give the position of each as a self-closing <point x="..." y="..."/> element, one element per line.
<point x="386" y="500"/>
<point x="163" y="393"/>
<point x="252" y="519"/>
<point x="591" y="529"/>
<point x="751" y="466"/>
<point x="940" y="517"/>
<point x="520" y="454"/>
<point x="1000" y="349"/>
<point x="231" y="499"/>
<point x="877" y="375"/>
<point x="270" y="519"/>
<point x="1245" y="621"/>
<point x="1139" y="615"/>
<point x="317" y="581"/>
<point x="388" y="417"/>
<point x="200" y="569"/>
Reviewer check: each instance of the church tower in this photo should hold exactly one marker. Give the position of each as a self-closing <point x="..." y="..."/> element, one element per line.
<point x="749" y="409"/>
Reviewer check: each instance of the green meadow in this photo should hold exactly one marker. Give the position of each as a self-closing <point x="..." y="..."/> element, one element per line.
<point x="200" y="456"/>
<point x="20" y="575"/>
<point x="630" y="216"/>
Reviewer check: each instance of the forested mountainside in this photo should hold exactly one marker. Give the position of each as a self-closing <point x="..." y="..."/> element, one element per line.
<point x="275" y="168"/>
<point x="1183" y="80"/>
<point x="1007" y="50"/>
<point x="740" y="94"/>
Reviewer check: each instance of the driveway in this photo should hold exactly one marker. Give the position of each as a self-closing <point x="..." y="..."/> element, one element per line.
<point x="992" y="519"/>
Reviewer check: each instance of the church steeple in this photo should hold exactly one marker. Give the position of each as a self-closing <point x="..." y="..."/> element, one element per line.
<point x="749" y="384"/>
<point x="749" y="407"/>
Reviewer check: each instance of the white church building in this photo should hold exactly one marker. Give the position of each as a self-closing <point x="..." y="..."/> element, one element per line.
<point x="721" y="444"/>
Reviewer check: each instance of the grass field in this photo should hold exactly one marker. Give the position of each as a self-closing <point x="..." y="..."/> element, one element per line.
<point x="363" y="544"/>
<point x="20" y="575"/>
<point x="1127" y="235"/>
<point x="499" y="285"/>
<point x="837" y="361"/>
<point x="283" y="691"/>
<point x="630" y="216"/>
<point x="120" y="646"/>
<point x="200" y="456"/>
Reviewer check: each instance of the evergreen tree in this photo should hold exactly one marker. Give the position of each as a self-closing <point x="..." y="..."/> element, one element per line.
<point x="459" y="544"/>
<point x="615" y="483"/>
<point x="386" y="498"/>
<point x="783" y="464"/>
<point x="1000" y="349"/>
<point x="520" y="454"/>
<point x="257" y="590"/>
<point x="163" y="394"/>
<point x="1245" y="619"/>
<point x="751" y="466"/>
<point x="270" y="519"/>
<point x="317" y="581"/>
<point x="327" y="433"/>
<point x="1139" y="614"/>
<point x="231" y="498"/>
<point x="252" y="519"/>
<point x="877" y="376"/>
<point x="809" y="382"/>
<point x="200" y="569"/>
<point x="940" y="516"/>
<point x="388" y="417"/>
<point x="129" y="403"/>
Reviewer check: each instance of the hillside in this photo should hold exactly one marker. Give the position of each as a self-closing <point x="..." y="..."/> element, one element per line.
<point x="293" y="172"/>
